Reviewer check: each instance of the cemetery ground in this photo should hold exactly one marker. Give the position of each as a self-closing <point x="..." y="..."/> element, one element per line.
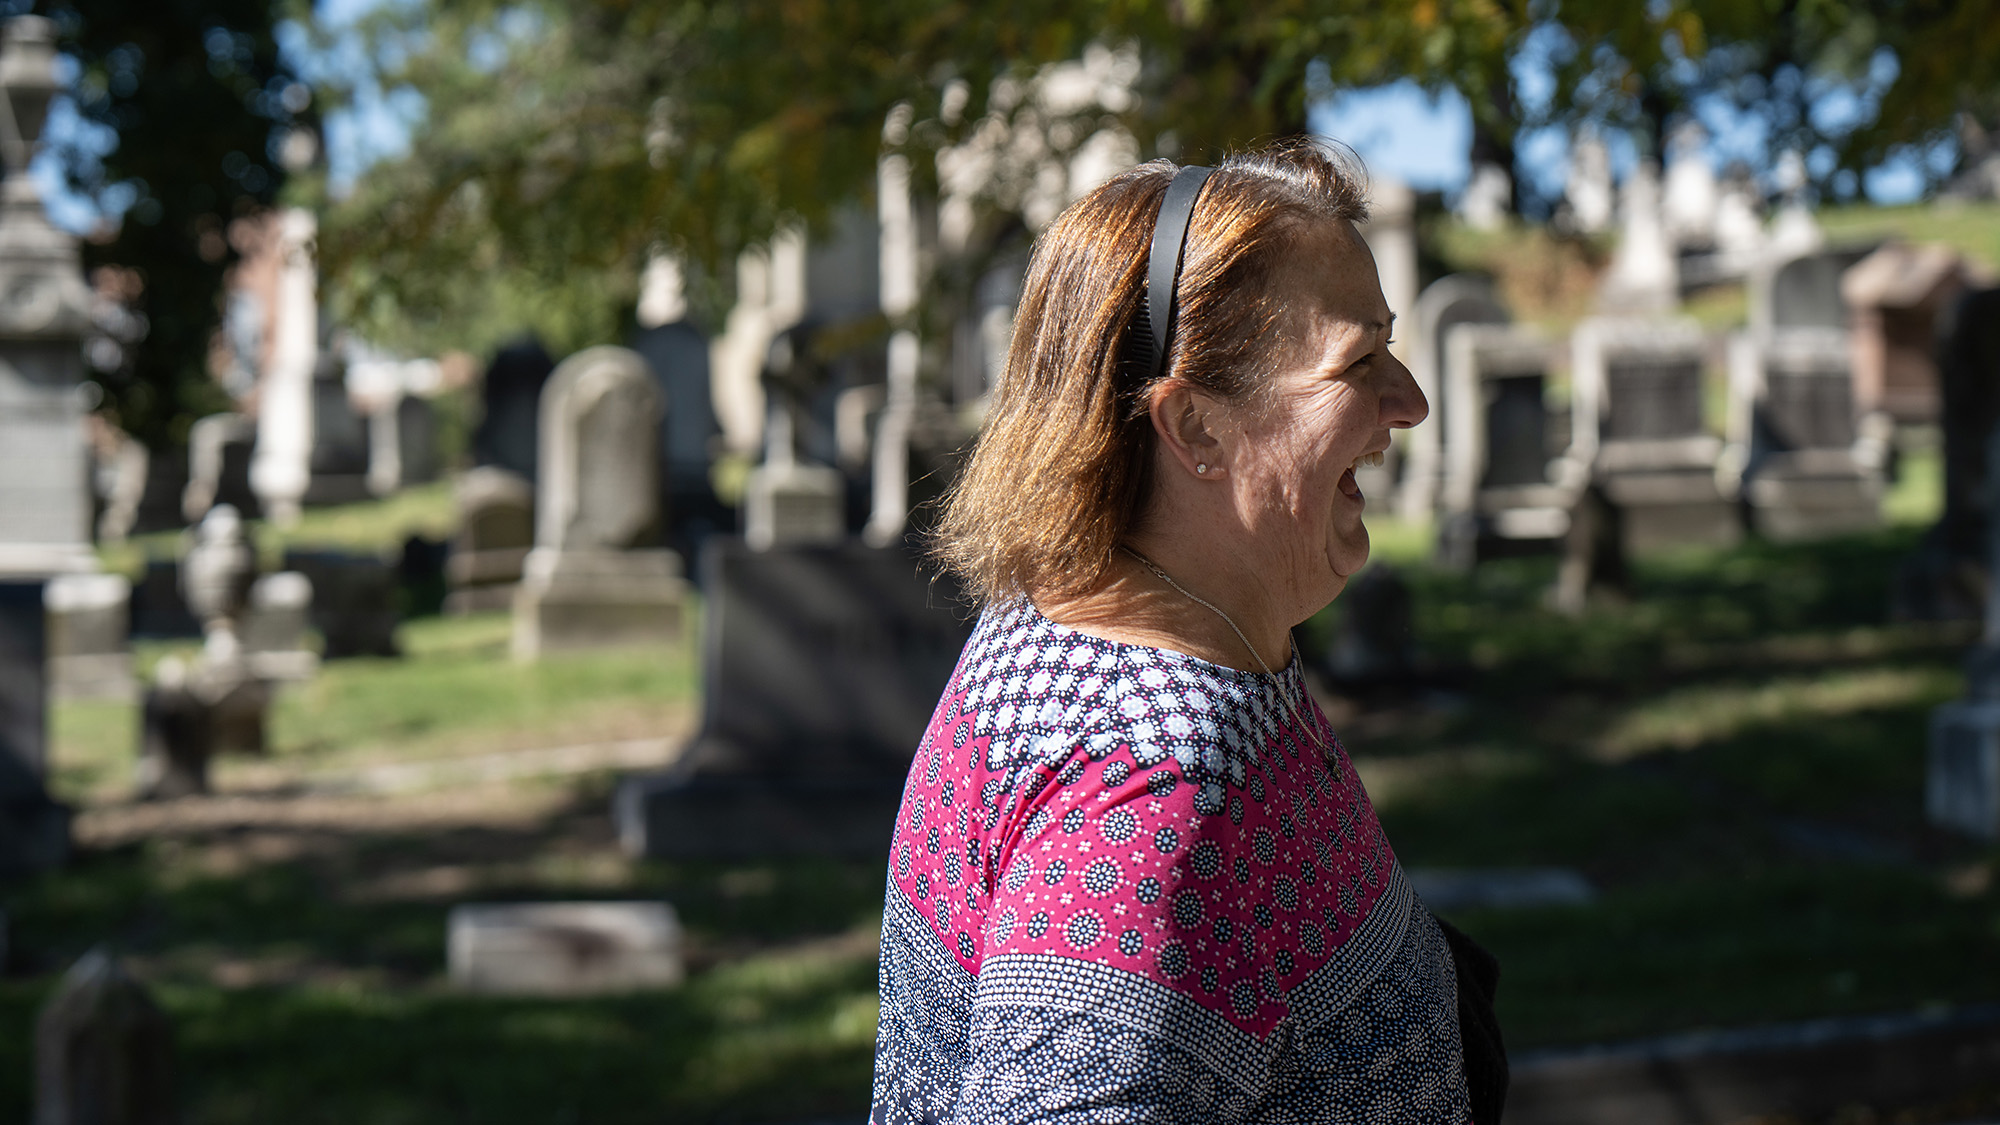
<point x="1733" y="757"/>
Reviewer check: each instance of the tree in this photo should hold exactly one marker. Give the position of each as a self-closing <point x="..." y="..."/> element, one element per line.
<point x="198" y="103"/>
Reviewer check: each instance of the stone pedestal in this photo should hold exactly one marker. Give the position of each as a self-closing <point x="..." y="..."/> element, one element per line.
<point x="582" y="599"/>
<point x="565" y="948"/>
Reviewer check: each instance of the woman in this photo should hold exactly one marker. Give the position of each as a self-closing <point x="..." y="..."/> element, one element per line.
<point x="1135" y="877"/>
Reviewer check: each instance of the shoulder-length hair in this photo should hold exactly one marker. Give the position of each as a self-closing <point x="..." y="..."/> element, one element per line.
<point x="1062" y="470"/>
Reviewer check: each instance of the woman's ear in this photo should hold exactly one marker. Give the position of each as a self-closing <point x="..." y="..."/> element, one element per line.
<point x="1183" y="418"/>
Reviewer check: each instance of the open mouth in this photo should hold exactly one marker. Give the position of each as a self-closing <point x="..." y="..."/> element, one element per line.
<point x="1348" y="485"/>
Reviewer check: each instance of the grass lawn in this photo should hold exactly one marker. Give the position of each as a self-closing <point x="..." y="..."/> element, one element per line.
<point x="1734" y="757"/>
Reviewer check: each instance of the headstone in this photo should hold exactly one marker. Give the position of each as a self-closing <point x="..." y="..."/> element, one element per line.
<point x="1945" y="578"/>
<point x="177" y="735"/>
<point x="121" y="486"/>
<point x="158" y="609"/>
<point x="1487" y="198"/>
<point x="219" y="451"/>
<point x="1690" y="196"/>
<point x="104" y="1052"/>
<point x="564" y="948"/>
<point x="788" y="500"/>
<point x="1812" y="465"/>
<point x="340" y="438"/>
<point x="1978" y="175"/>
<point x="1446" y="302"/>
<point x="1589" y="191"/>
<point x="1802" y="290"/>
<point x="281" y="469"/>
<point x="1962" y="780"/>
<point x="596" y="577"/>
<point x="1638" y="420"/>
<point x="1644" y="278"/>
<point x="354" y="602"/>
<point x="1507" y="485"/>
<point x="402" y="444"/>
<point x="511" y="395"/>
<point x="677" y="354"/>
<point x="1374" y="640"/>
<point x="496" y="530"/>
<point x="45" y="502"/>
<point x="1896" y="298"/>
<point x="1794" y="231"/>
<point x="1739" y="222"/>
<point x="274" y="626"/>
<point x="820" y="668"/>
<point x="90" y="654"/>
<point x="34" y="830"/>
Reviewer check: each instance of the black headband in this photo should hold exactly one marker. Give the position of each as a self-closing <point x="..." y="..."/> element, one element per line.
<point x="1163" y="268"/>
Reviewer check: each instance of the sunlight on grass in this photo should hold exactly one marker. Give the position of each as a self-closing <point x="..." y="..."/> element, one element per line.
<point x="1972" y="229"/>
<point x="1916" y="499"/>
<point x="1685" y="718"/>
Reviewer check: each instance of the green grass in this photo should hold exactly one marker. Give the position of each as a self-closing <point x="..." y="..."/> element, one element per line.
<point x="1971" y="228"/>
<point x="378" y="526"/>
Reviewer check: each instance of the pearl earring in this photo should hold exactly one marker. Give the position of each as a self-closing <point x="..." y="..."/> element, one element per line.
<point x="1201" y="468"/>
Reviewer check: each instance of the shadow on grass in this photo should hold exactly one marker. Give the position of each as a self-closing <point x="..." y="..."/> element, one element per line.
<point x="307" y="985"/>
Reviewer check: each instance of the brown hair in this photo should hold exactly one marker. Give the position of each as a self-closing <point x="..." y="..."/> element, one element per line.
<point x="1062" y="470"/>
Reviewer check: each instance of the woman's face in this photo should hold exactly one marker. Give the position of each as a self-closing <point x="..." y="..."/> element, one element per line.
<point x="1333" y="395"/>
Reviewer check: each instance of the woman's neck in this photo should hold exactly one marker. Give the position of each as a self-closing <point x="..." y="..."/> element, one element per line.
<point x="1142" y="600"/>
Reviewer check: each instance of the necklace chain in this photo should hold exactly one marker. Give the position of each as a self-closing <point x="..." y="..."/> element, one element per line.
<point x="1297" y="721"/>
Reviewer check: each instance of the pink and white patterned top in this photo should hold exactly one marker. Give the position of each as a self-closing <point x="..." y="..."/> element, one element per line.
<point x="1126" y="887"/>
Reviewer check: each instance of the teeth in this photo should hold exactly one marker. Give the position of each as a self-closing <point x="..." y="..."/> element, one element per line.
<point x="1373" y="460"/>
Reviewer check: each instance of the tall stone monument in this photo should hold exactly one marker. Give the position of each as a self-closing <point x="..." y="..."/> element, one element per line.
<point x="596" y="577"/>
<point x="281" y="468"/>
<point x="45" y="503"/>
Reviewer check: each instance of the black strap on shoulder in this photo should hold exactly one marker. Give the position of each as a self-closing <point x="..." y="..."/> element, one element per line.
<point x="1163" y="269"/>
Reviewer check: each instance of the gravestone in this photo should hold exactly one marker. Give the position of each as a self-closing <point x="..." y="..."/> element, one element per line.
<point x="220" y="448"/>
<point x="1507" y="486"/>
<point x="339" y="459"/>
<point x="1639" y="422"/>
<point x="1374" y="639"/>
<point x="281" y="471"/>
<point x="496" y="530"/>
<point x="1589" y="192"/>
<point x="34" y="830"/>
<point x="402" y="444"/>
<point x="1801" y="290"/>
<point x="1487" y="198"/>
<point x="1945" y="578"/>
<point x="677" y="354"/>
<point x="1809" y="469"/>
<point x="564" y="948"/>
<point x="104" y="1052"/>
<point x="273" y="631"/>
<point x="510" y="395"/>
<point x="1962" y="781"/>
<point x="1445" y="303"/>
<point x="1896" y="298"/>
<point x="596" y="577"/>
<point x="1689" y="195"/>
<point x="354" y="601"/>
<point x="788" y="500"/>
<point x="820" y="668"/>
<point x="158" y="609"/>
<point x="89" y="623"/>
<point x="1644" y="278"/>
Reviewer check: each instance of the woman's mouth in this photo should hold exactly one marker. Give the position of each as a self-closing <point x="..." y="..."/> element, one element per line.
<point x="1351" y="488"/>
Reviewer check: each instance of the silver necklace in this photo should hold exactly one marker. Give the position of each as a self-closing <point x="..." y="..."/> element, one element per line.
<point x="1298" y="723"/>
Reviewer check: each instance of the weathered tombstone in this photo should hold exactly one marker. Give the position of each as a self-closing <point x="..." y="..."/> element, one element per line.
<point x="1801" y="290"/>
<point x="564" y="948"/>
<point x="121" y="485"/>
<point x="273" y="630"/>
<point x="1811" y="464"/>
<point x="104" y="1052"/>
<point x="353" y="601"/>
<point x="496" y="530"/>
<point x="402" y="444"/>
<point x="1896" y="297"/>
<point x="596" y="577"/>
<point x="220" y="447"/>
<point x="1639" y="422"/>
<point x="677" y="354"/>
<point x="1644" y="278"/>
<point x="1507" y="485"/>
<point x="788" y="500"/>
<point x="281" y="470"/>
<point x="158" y="609"/>
<point x="90" y="655"/>
<point x="34" y="830"/>
<point x="1690" y="195"/>
<point x="340" y="438"/>
<point x="1446" y="302"/>
<point x="820" y="668"/>
<point x="511" y="395"/>
<point x="177" y="734"/>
